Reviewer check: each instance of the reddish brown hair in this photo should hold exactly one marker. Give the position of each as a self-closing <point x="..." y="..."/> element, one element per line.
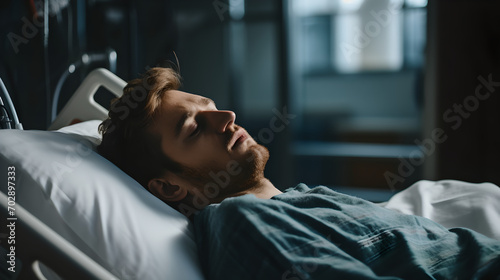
<point x="125" y="139"/>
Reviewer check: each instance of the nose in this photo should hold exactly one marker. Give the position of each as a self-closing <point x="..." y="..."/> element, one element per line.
<point x="220" y="120"/>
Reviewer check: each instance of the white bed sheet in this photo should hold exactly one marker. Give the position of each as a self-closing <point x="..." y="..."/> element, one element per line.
<point x="453" y="204"/>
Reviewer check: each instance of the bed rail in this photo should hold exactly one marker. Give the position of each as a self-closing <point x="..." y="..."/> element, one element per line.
<point x="82" y="106"/>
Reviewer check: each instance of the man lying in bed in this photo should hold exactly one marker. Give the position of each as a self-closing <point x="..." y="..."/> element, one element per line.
<point x="195" y="158"/>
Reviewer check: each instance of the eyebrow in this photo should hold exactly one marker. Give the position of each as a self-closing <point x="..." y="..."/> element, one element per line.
<point x="180" y="124"/>
<point x="206" y="101"/>
<point x="203" y="101"/>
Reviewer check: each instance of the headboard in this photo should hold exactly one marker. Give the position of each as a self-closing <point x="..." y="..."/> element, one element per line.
<point x="82" y="106"/>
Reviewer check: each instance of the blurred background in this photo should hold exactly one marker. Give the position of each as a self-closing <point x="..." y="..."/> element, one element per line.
<point x="365" y="96"/>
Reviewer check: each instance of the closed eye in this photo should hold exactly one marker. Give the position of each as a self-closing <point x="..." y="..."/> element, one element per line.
<point x="196" y="131"/>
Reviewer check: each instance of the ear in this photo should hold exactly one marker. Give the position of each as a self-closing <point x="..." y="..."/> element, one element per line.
<point x="166" y="191"/>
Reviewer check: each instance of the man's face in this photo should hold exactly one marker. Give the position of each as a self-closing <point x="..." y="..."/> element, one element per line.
<point x="208" y="144"/>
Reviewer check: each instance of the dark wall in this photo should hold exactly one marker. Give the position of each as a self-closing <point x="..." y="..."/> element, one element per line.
<point x="142" y="33"/>
<point x="464" y="41"/>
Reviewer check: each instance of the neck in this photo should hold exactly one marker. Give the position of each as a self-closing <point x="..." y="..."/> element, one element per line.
<point x="262" y="188"/>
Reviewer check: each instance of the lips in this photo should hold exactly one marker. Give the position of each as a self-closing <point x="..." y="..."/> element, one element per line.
<point x="238" y="137"/>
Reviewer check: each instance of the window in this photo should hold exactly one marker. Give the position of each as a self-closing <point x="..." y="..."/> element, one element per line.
<point x="356" y="81"/>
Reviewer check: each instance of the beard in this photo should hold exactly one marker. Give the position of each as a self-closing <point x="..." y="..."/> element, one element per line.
<point x="212" y="185"/>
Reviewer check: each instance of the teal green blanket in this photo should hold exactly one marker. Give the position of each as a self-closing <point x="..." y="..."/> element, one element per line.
<point x="321" y="234"/>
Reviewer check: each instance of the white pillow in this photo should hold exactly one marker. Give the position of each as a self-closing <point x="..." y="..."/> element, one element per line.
<point x="135" y="235"/>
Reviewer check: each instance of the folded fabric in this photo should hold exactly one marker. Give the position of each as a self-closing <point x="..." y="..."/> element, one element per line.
<point x="453" y="204"/>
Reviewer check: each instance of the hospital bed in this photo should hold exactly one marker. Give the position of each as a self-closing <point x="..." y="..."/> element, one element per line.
<point x="78" y="216"/>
